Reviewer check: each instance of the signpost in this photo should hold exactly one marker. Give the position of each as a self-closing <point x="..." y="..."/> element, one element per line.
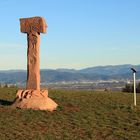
<point x="134" y="80"/>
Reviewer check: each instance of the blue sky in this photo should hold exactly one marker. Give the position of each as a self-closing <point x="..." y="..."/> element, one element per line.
<point x="81" y="33"/>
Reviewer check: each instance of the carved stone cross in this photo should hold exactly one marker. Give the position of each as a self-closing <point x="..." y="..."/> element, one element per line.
<point x="33" y="97"/>
<point x="33" y="27"/>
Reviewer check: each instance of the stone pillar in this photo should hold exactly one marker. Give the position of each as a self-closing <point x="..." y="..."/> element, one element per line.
<point x="33" y="62"/>
<point x="33" y="27"/>
<point x="33" y="97"/>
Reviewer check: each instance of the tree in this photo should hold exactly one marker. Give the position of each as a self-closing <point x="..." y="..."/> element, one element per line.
<point x="127" y="88"/>
<point x="130" y="88"/>
<point x="138" y="88"/>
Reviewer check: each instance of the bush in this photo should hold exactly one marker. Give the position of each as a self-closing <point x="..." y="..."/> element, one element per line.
<point x="138" y="87"/>
<point x="130" y="88"/>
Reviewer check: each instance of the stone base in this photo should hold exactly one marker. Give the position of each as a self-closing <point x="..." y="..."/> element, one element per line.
<point x="34" y="99"/>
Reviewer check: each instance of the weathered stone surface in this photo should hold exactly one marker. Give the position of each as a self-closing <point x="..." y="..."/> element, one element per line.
<point x="33" y="62"/>
<point x="34" y="99"/>
<point x="31" y="93"/>
<point x="33" y="27"/>
<point x="36" y="24"/>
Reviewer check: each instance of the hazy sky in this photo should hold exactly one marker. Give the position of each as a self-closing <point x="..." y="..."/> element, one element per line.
<point x="81" y="33"/>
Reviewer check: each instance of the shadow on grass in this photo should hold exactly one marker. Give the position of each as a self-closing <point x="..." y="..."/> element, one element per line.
<point x="5" y="103"/>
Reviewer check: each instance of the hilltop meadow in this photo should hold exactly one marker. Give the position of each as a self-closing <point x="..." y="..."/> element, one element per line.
<point x="81" y="115"/>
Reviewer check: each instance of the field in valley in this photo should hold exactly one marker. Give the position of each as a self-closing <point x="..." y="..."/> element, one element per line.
<point x="85" y="115"/>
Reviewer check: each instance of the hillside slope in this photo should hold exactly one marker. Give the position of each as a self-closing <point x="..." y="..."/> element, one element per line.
<point x="118" y="72"/>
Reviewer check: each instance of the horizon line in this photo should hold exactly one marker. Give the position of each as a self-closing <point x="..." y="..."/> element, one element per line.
<point x="71" y="68"/>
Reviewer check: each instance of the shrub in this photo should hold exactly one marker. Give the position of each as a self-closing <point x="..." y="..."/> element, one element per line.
<point x="130" y="88"/>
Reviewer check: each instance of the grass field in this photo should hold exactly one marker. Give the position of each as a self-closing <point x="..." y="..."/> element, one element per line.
<point x="85" y="115"/>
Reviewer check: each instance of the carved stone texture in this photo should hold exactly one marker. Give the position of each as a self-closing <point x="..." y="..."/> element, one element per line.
<point x="33" y="27"/>
<point x="33" y="62"/>
<point x="34" y="99"/>
<point x="36" y="24"/>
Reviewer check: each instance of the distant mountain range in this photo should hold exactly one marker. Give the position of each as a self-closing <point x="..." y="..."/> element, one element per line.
<point x="117" y="72"/>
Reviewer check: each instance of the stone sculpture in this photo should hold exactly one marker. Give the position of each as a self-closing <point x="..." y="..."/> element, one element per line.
<point x="33" y="97"/>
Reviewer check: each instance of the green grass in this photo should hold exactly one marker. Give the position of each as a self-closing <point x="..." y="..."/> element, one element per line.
<point x="85" y="115"/>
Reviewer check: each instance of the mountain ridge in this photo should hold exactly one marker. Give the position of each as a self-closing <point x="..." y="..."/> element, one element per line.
<point x="109" y="72"/>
